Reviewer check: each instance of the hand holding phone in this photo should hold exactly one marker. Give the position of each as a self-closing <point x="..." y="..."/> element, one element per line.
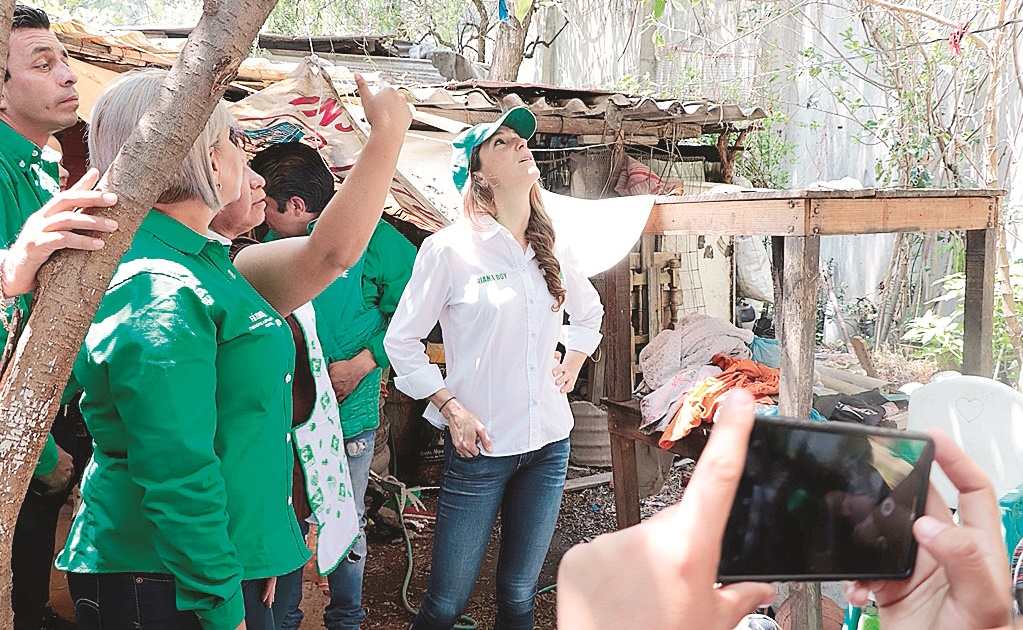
<point x="664" y="568"/>
<point x="961" y="577"/>
<point x="826" y="501"/>
<point x="661" y="573"/>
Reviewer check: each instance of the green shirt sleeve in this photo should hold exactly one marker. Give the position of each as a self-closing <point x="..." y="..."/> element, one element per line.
<point x="162" y="371"/>
<point x="48" y="460"/>
<point x="389" y="260"/>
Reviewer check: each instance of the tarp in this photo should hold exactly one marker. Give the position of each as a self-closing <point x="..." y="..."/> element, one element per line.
<point x="306" y="106"/>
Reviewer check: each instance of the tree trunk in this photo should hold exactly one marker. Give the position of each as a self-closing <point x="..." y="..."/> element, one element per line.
<point x="1008" y="302"/>
<point x="6" y="18"/>
<point x="72" y="284"/>
<point x="508" y="49"/>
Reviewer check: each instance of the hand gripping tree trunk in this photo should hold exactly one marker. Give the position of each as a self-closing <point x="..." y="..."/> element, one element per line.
<point x="72" y="284"/>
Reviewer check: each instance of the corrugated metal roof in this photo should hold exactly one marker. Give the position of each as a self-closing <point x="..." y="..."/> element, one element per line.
<point x="479" y="101"/>
<point x="559" y="110"/>
<point x="395" y="70"/>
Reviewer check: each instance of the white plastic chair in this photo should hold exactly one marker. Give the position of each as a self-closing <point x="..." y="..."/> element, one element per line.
<point x="984" y="417"/>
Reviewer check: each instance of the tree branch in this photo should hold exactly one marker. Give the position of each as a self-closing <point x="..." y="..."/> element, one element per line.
<point x="901" y="8"/>
<point x="531" y="47"/>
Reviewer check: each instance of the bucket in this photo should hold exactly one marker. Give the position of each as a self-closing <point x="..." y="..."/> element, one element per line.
<point x="591" y="444"/>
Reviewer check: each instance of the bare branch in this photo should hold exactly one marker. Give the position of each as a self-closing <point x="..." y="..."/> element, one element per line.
<point x="934" y="17"/>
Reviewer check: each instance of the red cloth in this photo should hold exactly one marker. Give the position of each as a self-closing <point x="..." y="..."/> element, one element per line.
<point x="636" y="178"/>
<point x="703" y="400"/>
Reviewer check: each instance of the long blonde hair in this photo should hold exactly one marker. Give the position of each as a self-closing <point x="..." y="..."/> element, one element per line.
<point x="479" y="200"/>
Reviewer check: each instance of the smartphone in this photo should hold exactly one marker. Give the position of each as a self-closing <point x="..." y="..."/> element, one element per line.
<point x="822" y="501"/>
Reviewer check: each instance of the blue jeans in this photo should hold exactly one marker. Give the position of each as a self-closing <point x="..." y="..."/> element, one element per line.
<point x="258" y="616"/>
<point x="344" y="611"/>
<point x="527" y="489"/>
<point x="146" y="601"/>
<point x="127" y="601"/>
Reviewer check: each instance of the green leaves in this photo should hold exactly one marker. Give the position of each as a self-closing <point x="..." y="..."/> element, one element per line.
<point x="520" y="8"/>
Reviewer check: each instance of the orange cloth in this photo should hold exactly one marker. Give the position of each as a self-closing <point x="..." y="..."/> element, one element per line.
<point x="703" y="399"/>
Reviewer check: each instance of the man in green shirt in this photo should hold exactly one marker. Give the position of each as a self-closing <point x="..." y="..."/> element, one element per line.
<point x="351" y="319"/>
<point x="39" y="99"/>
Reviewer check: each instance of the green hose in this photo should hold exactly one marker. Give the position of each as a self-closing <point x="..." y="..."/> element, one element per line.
<point x="465" y="622"/>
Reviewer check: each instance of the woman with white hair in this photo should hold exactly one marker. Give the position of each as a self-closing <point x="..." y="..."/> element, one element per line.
<point x="186" y="518"/>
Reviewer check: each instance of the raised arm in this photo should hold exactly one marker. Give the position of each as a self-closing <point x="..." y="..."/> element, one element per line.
<point x="346" y="224"/>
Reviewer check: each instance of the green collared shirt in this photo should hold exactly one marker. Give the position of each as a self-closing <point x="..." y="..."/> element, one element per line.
<point x="187" y="374"/>
<point x="352" y="315"/>
<point x="27" y="181"/>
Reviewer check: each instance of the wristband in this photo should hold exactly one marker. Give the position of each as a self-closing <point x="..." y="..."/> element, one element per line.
<point x="441" y="408"/>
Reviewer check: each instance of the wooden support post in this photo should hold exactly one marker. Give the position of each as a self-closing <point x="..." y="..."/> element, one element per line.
<point x="617" y="346"/>
<point x="859" y="346"/>
<point x="655" y="310"/>
<point x="624" y="474"/>
<point x="617" y="341"/>
<point x="979" y="303"/>
<point x="794" y="324"/>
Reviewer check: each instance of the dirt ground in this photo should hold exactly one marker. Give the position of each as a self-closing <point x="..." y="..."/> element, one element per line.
<point x="584" y="514"/>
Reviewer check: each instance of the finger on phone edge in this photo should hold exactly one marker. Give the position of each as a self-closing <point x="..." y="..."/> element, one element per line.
<point x="707" y="500"/>
<point x="978" y="505"/>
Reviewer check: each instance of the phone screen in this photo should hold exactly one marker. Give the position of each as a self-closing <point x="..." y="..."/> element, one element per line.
<point x="826" y="501"/>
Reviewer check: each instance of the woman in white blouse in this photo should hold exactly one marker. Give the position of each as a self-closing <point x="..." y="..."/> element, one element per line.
<point x="499" y="283"/>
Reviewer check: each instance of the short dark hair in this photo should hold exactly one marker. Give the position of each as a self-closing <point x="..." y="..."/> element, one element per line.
<point x="294" y="169"/>
<point x="27" y="17"/>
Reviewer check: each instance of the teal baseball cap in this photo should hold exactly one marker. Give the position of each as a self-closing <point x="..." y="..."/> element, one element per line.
<point x="520" y="119"/>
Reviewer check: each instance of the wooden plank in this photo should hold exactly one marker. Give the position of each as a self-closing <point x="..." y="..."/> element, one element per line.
<point x="879" y="215"/>
<point x="979" y="302"/>
<point x="796" y="334"/>
<point x="626" y="480"/>
<point x="795" y="328"/>
<point x="778" y="217"/>
<point x="879" y="193"/>
<point x="653" y="285"/>
<point x="590" y="481"/>
<point x="625" y="423"/>
<point x="617" y="342"/>
<point x="861" y="381"/>
<point x="939" y="192"/>
<point x="805" y="601"/>
<point x="863" y="355"/>
<point x="617" y="353"/>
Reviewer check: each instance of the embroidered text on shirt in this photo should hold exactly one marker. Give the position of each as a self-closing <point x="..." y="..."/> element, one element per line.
<point x="491" y="278"/>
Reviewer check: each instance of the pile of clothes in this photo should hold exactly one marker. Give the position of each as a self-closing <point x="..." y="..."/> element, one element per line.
<point x="690" y="368"/>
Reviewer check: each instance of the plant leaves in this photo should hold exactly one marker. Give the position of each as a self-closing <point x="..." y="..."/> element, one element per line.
<point x="520" y="8"/>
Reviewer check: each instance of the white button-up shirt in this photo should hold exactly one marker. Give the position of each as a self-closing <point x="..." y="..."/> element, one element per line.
<point x="499" y="333"/>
